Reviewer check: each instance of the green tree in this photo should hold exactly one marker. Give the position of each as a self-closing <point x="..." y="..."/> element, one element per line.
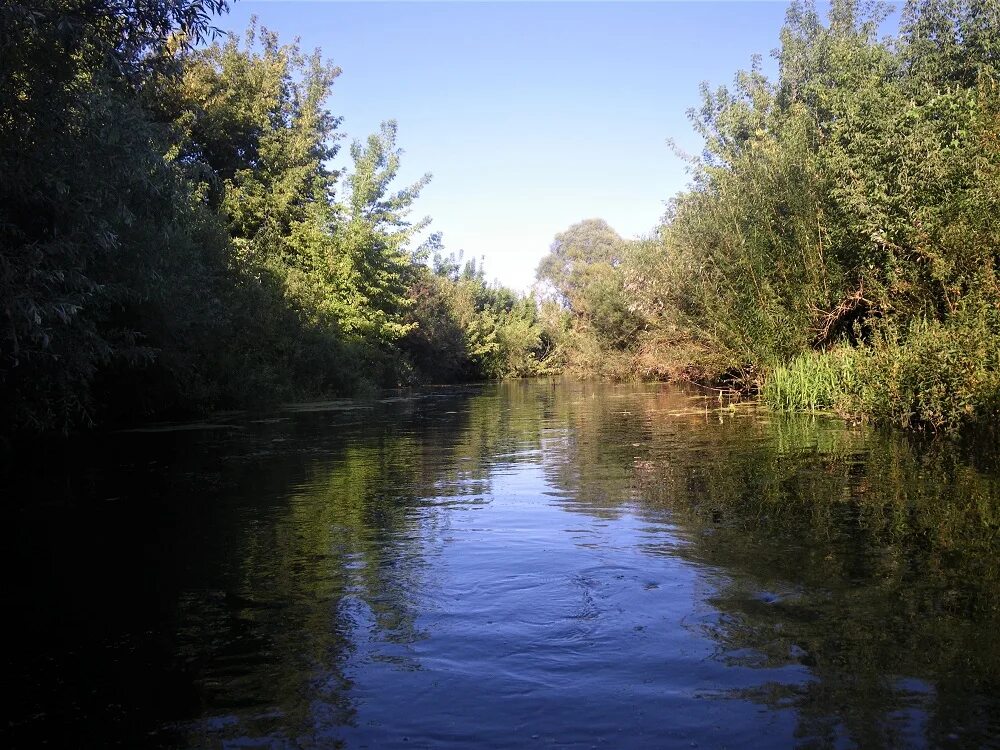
<point x="583" y="268"/>
<point x="91" y="219"/>
<point x="373" y="254"/>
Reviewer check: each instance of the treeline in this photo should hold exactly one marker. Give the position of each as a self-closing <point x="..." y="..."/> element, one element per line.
<point x="174" y="237"/>
<point x="839" y="245"/>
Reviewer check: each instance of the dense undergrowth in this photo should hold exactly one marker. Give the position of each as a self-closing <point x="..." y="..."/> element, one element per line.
<point x="839" y="246"/>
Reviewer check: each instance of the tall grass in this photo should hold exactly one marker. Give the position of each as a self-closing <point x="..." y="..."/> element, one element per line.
<point x="814" y="381"/>
<point x="931" y="375"/>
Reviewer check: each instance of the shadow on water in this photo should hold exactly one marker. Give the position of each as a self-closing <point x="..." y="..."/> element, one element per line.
<point x="481" y="564"/>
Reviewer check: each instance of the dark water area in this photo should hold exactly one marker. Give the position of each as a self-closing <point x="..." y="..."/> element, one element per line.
<point x="533" y="564"/>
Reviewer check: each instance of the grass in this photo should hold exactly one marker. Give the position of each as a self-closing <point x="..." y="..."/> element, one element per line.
<point x="814" y="381"/>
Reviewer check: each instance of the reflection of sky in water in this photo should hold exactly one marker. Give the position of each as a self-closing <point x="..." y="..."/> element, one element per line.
<point x="542" y="624"/>
<point x="572" y="565"/>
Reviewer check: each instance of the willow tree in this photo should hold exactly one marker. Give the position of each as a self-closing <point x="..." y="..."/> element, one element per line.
<point x="89" y="212"/>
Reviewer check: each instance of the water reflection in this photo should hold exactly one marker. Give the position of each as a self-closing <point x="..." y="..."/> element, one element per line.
<point x="561" y="563"/>
<point x="864" y="558"/>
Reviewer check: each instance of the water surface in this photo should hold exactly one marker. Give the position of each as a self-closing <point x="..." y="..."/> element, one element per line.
<point x="543" y="564"/>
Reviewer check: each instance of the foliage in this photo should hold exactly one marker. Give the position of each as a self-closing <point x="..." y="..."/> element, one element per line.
<point x="374" y="266"/>
<point x="848" y="206"/>
<point x="175" y="235"/>
<point x="583" y="275"/>
<point x="176" y="238"/>
<point x="941" y="375"/>
<point x="90" y="216"/>
<point x="465" y="329"/>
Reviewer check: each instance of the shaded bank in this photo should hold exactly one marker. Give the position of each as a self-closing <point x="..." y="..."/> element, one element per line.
<point x="175" y="238"/>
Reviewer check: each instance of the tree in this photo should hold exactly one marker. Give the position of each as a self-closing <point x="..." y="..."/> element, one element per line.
<point x="583" y="267"/>
<point x="372" y="261"/>
<point x="87" y="206"/>
<point x="575" y="256"/>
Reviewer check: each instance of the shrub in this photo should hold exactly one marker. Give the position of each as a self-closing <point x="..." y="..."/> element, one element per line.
<point x="941" y="376"/>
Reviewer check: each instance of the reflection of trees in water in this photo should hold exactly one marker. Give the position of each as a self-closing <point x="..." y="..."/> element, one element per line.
<point x="861" y="566"/>
<point x="602" y="431"/>
<point x="336" y="566"/>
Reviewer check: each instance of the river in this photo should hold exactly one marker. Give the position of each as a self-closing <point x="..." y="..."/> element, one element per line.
<point x="530" y="564"/>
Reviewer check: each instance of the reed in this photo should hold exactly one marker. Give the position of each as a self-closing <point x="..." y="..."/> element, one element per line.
<point x="814" y="381"/>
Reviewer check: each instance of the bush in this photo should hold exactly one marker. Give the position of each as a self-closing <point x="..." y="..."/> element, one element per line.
<point x="941" y="376"/>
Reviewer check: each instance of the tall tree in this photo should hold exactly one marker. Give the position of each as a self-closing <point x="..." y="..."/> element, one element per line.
<point x="86" y="202"/>
<point x="374" y="259"/>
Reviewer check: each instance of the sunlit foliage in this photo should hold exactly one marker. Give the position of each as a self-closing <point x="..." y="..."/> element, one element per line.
<point x="851" y="202"/>
<point x="176" y="235"/>
<point x="466" y="329"/>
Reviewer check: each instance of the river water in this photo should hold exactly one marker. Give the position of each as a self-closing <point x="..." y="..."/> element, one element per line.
<point x="532" y="564"/>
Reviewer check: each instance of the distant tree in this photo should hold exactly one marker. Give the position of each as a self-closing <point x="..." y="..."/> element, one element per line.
<point x="583" y="268"/>
<point x="575" y="256"/>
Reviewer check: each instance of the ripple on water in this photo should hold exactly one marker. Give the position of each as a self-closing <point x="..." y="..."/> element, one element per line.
<point x="529" y="564"/>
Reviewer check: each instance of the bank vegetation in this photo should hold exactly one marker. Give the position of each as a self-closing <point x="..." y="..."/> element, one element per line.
<point x="185" y="226"/>
<point x="839" y="245"/>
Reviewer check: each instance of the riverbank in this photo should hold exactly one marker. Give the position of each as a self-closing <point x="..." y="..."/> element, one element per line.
<point x="838" y="245"/>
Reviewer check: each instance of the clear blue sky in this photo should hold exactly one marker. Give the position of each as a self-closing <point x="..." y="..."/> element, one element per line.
<point x="531" y="116"/>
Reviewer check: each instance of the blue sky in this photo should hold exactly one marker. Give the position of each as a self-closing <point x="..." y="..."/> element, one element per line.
<point x="530" y="116"/>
